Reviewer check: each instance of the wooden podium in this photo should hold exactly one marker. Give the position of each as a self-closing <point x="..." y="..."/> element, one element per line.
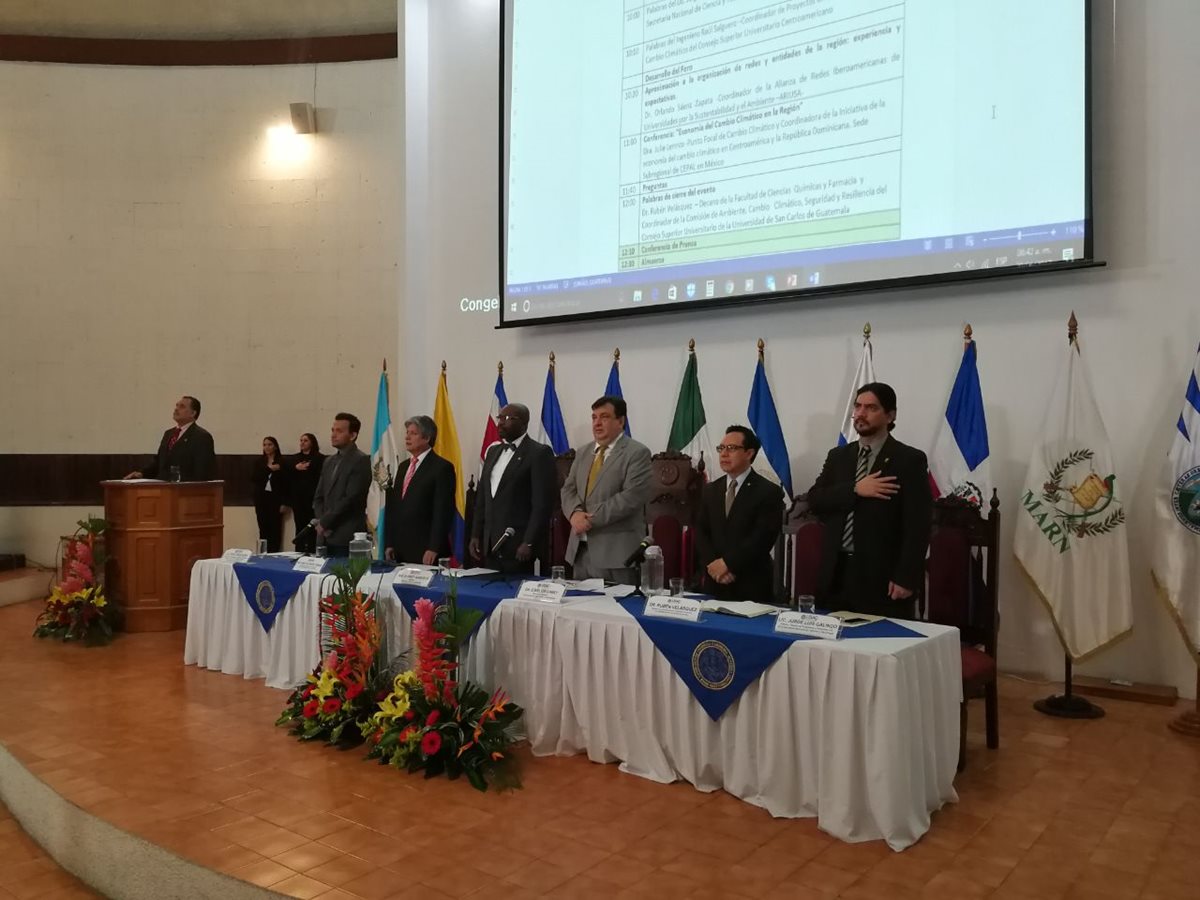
<point x="156" y="532"/>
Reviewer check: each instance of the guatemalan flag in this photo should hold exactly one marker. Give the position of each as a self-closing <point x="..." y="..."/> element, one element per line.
<point x="864" y="375"/>
<point x="554" y="429"/>
<point x="959" y="463"/>
<point x="385" y="459"/>
<point x="491" y="434"/>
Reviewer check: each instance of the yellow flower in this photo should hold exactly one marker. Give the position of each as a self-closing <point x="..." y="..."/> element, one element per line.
<point x="406" y="681"/>
<point x="325" y="685"/>
<point x="393" y="706"/>
<point x="99" y="602"/>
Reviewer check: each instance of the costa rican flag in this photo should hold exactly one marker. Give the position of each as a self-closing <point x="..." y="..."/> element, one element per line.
<point x="499" y="400"/>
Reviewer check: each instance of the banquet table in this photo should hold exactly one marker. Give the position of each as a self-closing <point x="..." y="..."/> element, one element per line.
<point x="862" y="734"/>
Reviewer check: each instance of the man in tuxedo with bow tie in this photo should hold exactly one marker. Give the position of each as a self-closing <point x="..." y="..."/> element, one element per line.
<point x="738" y="522"/>
<point x="516" y="493"/>
<point x="874" y="499"/>
<point x="420" y="502"/>
<point x="186" y="447"/>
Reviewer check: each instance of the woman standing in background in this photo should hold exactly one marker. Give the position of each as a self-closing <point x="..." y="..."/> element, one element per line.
<point x="305" y="473"/>
<point x="270" y="494"/>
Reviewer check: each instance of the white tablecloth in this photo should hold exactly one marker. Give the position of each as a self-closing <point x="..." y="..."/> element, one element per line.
<point x="861" y="733"/>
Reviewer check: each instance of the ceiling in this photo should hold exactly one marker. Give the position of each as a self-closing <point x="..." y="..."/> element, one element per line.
<point x="196" y="19"/>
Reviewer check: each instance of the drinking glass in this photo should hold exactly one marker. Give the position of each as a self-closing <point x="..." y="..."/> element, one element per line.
<point x="806" y="603"/>
<point x="676" y="587"/>
<point x="558" y="573"/>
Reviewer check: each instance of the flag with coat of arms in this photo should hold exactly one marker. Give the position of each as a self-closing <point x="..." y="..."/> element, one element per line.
<point x="385" y="458"/>
<point x="1070" y="536"/>
<point x="1176" y="553"/>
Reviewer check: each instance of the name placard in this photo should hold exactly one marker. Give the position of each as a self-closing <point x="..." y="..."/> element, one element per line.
<point x="543" y="591"/>
<point x="410" y="576"/>
<point x="313" y="564"/>
<point x="667" y="607"/>
<point x="236" y="556"/>
<point x="808" y="624"/>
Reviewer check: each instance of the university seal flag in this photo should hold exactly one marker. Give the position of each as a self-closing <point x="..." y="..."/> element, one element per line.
<point x="1070" y="535"/>
<point x="1176" y="551"/>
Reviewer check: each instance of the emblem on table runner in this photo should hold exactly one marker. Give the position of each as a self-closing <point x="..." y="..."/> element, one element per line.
<point x="264" y="597"/>
<point x="713" y="665"/>
<point x="1185" y="500"/>
<point x="1079" y="510"/>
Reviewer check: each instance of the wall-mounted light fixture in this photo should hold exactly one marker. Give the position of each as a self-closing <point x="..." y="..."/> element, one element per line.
<point x="304" y="118"/>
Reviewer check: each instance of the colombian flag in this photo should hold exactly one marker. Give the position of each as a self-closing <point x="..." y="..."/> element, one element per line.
<point x="446" y="447"/>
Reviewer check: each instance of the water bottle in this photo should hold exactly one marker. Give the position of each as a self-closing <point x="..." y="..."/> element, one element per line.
<point x="652" y="571"/>
<point x="361" y="547"/>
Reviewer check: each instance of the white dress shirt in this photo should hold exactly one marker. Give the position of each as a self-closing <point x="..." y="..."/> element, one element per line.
<point x="508" y="450"/>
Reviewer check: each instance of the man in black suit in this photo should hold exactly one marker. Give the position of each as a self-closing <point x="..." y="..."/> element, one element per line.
<point x="186" y="447"/>
<point x="420" y="502"/>
<point x="340" y="503"/>
<point x="739" y="520"/>
<point x="516" y="491"/>
<point x="874" y="499"/>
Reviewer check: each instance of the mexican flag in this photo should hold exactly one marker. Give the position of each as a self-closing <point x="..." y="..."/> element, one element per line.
<point x="689" y="432"/>
<point x="1070" y="535"/>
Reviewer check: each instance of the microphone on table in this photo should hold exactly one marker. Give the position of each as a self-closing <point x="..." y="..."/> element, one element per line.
<point x="639" y="553"/>
<point x="508" y="532"/>
<point x="309" y="527"/>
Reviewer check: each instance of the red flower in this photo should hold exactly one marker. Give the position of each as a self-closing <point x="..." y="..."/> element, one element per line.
<point x="432" y="718"/>
<point x="353" y="689"/>
<point x="410" y="715"/>
<point x="307" y="692"/>
<point x="332" y="705"/>
<point x="431" y="743"/>
<point x="407" y="733"/>
<point x="310" y="708"/>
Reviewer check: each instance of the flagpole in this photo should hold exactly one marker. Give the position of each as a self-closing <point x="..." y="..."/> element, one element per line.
<point x="1068" y="705"/>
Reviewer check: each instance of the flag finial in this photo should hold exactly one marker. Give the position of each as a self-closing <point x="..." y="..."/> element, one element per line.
<point x="867" y="331"/>
<point x="385" y="364"/>
<point x="616" y="354"/>
<point x="967" y="333"/>
<point x="1072" y="328"/>
<point x="552" y="359"/>
<point x="443" y="367"/>
<point x="500" y="367"/>
<point x="761" y="346"/>
<point x="691" y="345"/>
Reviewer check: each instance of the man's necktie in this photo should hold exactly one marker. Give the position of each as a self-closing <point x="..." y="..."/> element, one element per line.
<point x="408" y="476"/>
<point x="594" y="471"/>
<point x="864" y="454"/>
<point x="729" y="496"/>
<point x="174" y="439"/>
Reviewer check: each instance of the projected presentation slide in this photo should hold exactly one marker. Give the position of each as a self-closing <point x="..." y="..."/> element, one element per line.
<point x="684" y="151"/>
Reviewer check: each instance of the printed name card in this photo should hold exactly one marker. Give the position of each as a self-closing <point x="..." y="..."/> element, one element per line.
<point x="808" y="624"/>
<point x="236" y="556"/>
<point x="312" y="564"/>
<point x="667" y="607"/>
<point x="411" y="576"/>
<point x="544" y="591"/>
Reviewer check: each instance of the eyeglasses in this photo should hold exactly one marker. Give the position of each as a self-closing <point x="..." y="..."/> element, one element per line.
<point x="503" y="418"/>
<point x="721" y="448"/>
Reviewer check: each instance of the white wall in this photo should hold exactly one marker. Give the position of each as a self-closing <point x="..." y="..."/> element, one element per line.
<point x="154" y="242"/>
<point x="1140" y="320"/>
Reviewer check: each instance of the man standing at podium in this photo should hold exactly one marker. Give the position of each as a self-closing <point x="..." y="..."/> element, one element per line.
<point x="340" y="503"/>
<point x="187" y="447"/>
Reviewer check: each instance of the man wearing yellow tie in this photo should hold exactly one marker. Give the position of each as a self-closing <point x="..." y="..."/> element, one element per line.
<point x="605" y="496"/>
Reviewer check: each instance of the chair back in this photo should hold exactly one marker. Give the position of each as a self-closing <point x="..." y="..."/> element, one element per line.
<point x="803" y="536"/>
<point x="668" y="532"/>
<point x="963" y="570"/>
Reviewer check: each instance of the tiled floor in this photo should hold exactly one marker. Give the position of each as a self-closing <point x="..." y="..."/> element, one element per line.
<point x="25" y="871"/>
<point x="190" y="760"/>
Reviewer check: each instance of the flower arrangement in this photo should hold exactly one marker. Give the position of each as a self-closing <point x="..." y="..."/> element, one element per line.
<point x="342" y="691"/>
<point x="77" y="609"/>
<point x="434" y="722"/>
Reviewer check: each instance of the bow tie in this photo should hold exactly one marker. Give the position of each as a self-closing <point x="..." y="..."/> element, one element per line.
<point x="505" y="446"/>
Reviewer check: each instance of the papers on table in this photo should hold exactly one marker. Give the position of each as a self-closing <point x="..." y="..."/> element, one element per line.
<point x="617" y="591"/>
<point x="469" y="573"/>
<point x="855" y="619"/>
<point x="747" y="609"/>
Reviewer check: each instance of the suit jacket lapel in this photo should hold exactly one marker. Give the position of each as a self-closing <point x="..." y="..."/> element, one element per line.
<point x="884" y="454"/>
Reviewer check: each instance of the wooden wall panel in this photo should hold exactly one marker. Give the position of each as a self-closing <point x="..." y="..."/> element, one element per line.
<point x="73" y="479"/>
<point x="138" y="52"/>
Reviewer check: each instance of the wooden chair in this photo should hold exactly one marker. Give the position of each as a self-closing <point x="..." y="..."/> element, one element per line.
<point x="962" y="587"/>
<point x="803" y="533"/>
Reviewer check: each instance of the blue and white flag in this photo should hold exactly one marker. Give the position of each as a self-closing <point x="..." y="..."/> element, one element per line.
<point x="553" y="430"/>
<point x="491" y="434"/>
<point x="613" y="389"/>
<point x="764" y="419"/>
<point x="1176" y="555"/>
<point x="959" y="461"/>
<point x="385" y="457"/>
<point x="864" y="375"/>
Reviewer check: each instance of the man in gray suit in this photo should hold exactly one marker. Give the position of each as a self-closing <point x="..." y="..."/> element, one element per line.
<point x="605" y="496"/>
<point x="340" y="503"/>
